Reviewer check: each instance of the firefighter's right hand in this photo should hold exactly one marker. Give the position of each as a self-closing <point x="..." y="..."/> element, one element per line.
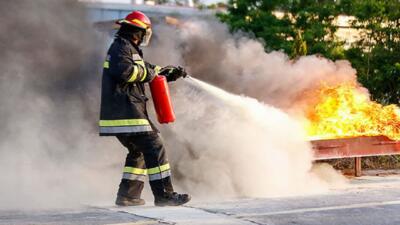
<point x="172" y="73"/>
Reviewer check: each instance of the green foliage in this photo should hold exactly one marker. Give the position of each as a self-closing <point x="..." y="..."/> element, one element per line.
<point x="299" y="47"/>
<point x="376" y="55"/>
<point x="300" y="27"/>
<point x="279" y="22"/>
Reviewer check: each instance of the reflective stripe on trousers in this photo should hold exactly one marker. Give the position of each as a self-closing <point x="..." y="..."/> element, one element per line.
<point x="132" y="173"/>
<point x="159" y="176"/>
<point x="158" y="173"/>
<point x="131" y="176"/>
<point x="155" y="173"/>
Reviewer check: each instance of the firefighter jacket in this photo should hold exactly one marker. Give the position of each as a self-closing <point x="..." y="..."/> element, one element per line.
<point x="123" y="98"/>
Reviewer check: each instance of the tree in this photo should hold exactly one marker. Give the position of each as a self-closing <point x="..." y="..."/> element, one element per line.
<point x="376" y="56"/>
<point x="299" y="46"/>
<point x="279" y="22"/>
<point x="300" y="27"/>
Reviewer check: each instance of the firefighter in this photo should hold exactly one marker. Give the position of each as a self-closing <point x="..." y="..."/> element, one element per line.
<point x="124" y="115"/>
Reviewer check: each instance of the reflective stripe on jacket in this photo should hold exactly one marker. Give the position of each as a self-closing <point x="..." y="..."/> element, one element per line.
<point x="123" y="98"/>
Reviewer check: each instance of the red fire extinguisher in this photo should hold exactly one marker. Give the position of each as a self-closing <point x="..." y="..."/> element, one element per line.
<point x="161" y="99"/>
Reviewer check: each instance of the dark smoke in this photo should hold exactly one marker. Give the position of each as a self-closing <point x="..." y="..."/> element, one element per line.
<point x="239" y="64"/>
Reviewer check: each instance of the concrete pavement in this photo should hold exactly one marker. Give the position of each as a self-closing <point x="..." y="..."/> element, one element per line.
<point x="368" y="200"/>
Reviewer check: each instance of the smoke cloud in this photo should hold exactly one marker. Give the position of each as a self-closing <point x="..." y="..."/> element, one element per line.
<point x="240" y="64"/>
<point x="230" y="146"/>
<point x="227" y="144"/>
<point x="50" y="153"/>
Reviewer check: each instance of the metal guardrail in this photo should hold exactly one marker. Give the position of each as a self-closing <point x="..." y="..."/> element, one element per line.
<point x="355" y="147"/>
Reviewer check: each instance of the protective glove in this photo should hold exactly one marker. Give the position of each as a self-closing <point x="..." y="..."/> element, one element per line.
<point x="172" y="73"/>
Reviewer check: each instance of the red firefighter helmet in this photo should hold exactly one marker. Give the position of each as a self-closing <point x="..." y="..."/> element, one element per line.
<point x="139" y="20"/>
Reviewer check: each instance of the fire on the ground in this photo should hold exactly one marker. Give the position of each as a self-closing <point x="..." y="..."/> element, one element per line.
<point x="345" y="110"/>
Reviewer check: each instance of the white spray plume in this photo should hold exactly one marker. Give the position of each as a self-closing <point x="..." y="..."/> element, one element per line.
<point x="225" y="145"/>
<point x="231" y="145"/>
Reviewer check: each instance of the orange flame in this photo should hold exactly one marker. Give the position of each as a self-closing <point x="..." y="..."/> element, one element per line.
<point x="346" y="111"/>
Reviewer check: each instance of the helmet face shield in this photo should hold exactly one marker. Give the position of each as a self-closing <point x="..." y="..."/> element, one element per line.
<point x="147" y="37"/>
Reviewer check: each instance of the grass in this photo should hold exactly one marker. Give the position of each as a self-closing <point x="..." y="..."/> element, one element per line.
<point x="373" y="162"/>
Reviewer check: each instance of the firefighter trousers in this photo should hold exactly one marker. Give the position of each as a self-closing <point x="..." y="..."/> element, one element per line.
<point x="146" y="157"/>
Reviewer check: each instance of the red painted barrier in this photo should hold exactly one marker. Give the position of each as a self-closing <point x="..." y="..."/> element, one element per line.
<point x="355" y="147"/>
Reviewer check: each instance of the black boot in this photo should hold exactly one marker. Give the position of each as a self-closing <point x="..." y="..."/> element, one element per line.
<point x="171" y="199"/>
<point x="129" y="193"/>
<point x="124" y="201"/>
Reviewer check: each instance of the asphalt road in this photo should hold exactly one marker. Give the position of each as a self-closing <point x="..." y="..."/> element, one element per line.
<point x="367" y="201"/>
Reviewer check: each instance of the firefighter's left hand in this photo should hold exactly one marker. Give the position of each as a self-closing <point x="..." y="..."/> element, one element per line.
<point x="172" y="73"/>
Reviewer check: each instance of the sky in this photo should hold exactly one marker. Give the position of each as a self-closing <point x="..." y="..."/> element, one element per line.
<point x="128" y="1"/>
